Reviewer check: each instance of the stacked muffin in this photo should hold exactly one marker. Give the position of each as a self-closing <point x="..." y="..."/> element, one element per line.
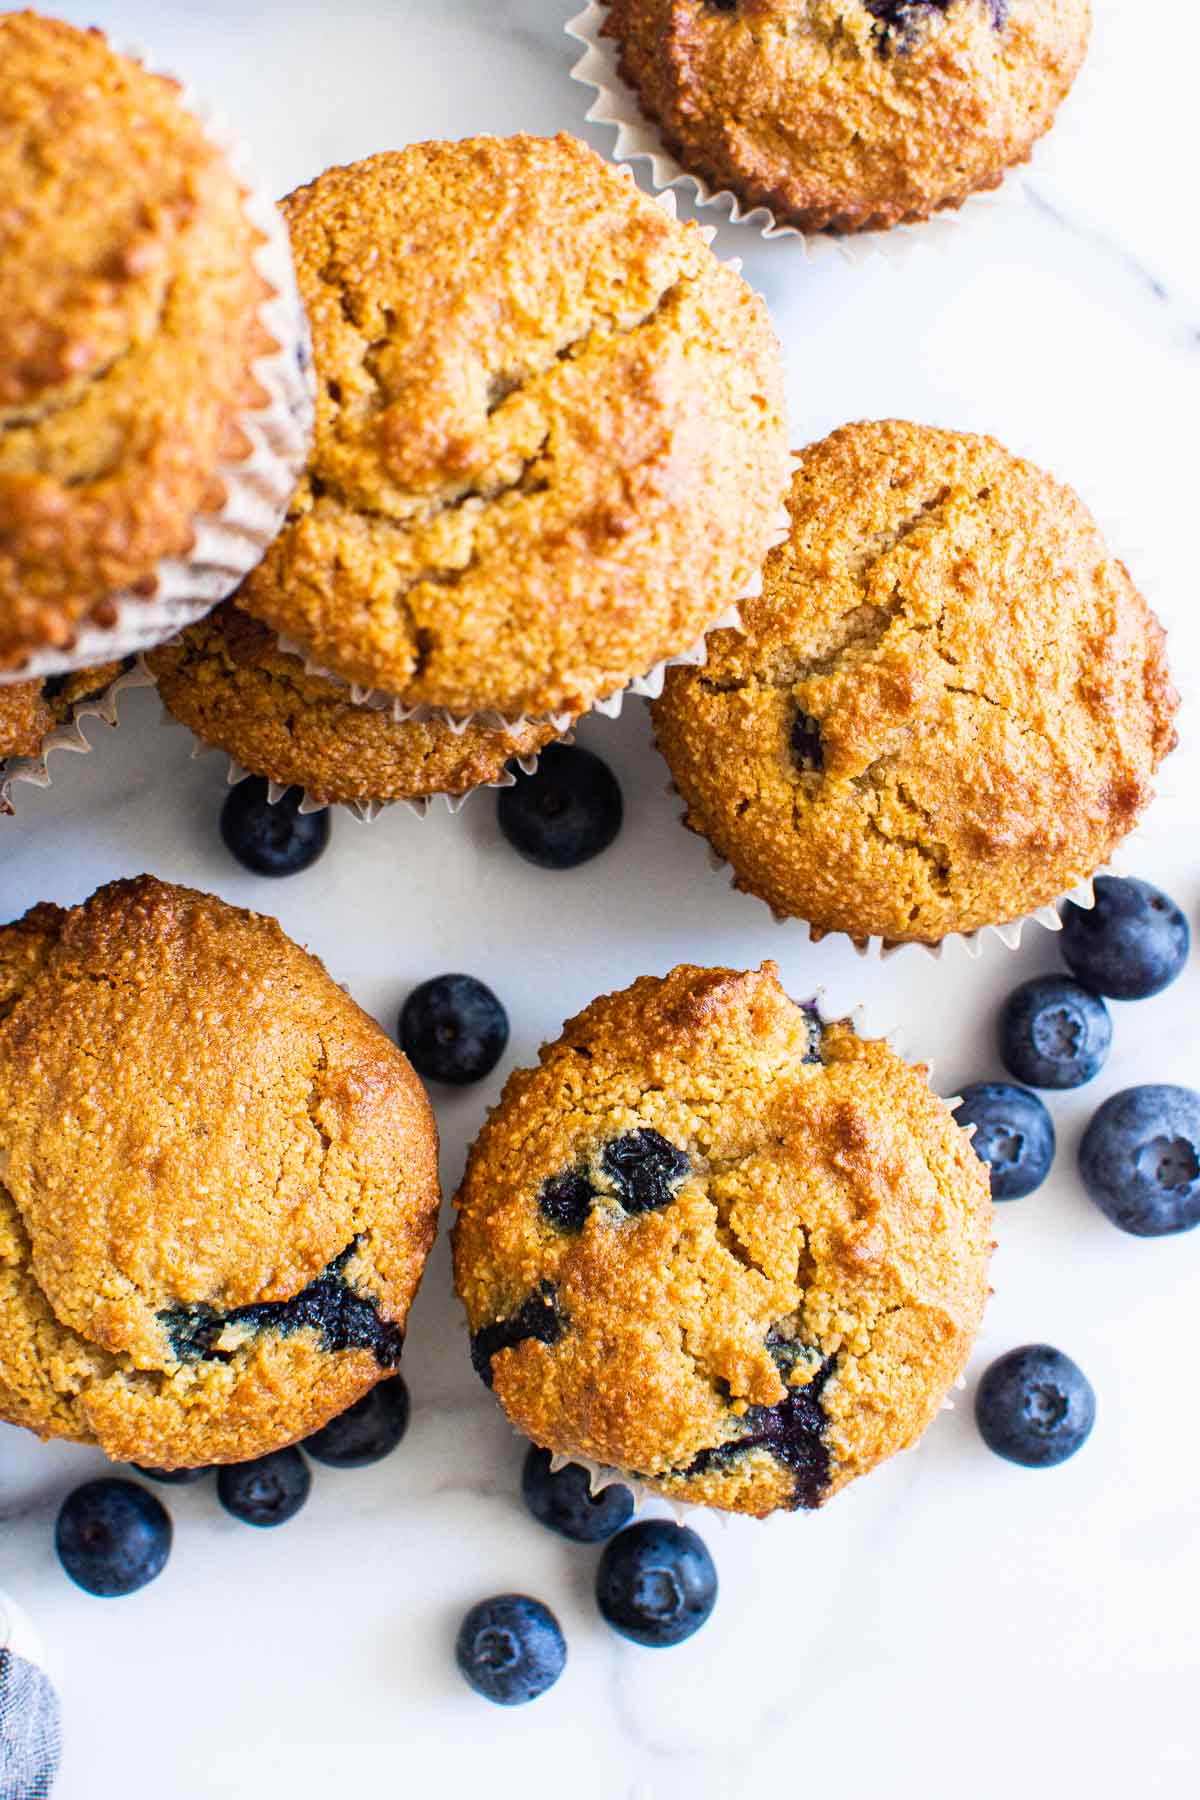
<point x="549" y="454"/>
<point x="153" y="411"/>
<point x="845" y="115"/>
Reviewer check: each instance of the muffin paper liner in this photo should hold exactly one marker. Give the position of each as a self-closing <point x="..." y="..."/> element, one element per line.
<point x="68" y="736"/>
<point x="602" y="1475"/>
<point x="647" y="686"/>
<point x="363" y="811"/>
<point x="638" y="140"/>
<point x="258" y="488"/>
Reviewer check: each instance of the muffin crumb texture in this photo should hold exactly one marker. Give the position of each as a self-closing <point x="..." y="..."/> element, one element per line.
<point x="850" y="115"/>
<point x="218" y="1181"/>
<point x="128" y="329"/>
<point x="227" y="679"/>
<point x="717" y="1244"/>
<point x="948" y="704"/>
<point x="549" y="446"/>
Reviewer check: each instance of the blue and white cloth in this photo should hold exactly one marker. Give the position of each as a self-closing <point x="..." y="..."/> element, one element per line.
<point x="30" y="1713"/>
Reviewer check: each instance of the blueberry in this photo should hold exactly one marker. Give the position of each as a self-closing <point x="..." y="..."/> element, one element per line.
<point x="566" y="812"/>
<point x="271" y="840"/>
<point x="566" y="1200"/>
<point x="367" y="1431"/>
<point x="645" y="1169"/>
<point x="172" y="1477"/>
<point x="1014" y="1136"/>
<point x="268" y="1491"/>
<point x="453" y="1029"/>
<point x="1140" y="1159"/>
<point x="112" y="1536"/>
<point x="1132" y="943"/>
<point x="510" y="1649"/>
<point x="564" y="1501"/>
<point x="656" y="1583"/>
<point x="1054" y="1033"/>
<point x="537" y="1317"/>
<point x="1035" y="1407"/>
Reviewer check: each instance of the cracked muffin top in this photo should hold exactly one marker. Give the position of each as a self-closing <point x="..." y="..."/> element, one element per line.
<point x="721" y="1246"/>
<point x="846" y="115"/>
<point x="947" y="707"/>
<point x="218" y="1181"/>
<point x="31" y="710"/>
<point x="228" y="680"/>
<point x="128" y="327"/>
<point x="550" y="446"/>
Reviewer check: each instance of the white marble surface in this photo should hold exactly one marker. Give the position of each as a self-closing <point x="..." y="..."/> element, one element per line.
<point x="953" y="1625"/>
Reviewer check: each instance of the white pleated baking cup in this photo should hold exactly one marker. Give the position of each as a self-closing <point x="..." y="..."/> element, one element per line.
<point x="33" y="770"/>
<point x="364" y="812"/>
<point x="602" y="1475"/>
<point x="639" y="140"/>
<point x="258" y="487"/>
<point x="648" y="686"/>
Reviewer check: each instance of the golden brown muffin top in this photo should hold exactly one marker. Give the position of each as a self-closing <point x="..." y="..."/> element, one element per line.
<point x="218" y="1181"/>
<point x="128" y="325"/>
<point x="549" y="443"/>
<point x="720" y="1246"/>
<point x="227" y="679"/>
<point x="948" y="704"/>
<point x="848" y="114"/>
<point x="31" y="710"/>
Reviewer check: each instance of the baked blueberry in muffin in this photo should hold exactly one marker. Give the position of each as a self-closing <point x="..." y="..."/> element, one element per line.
<point x="721" y="1246"/>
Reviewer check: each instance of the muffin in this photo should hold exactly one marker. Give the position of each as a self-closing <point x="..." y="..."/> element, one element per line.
<point x="142" y="391"/>
<point x="947" y="707"/>
<point x="219" y="1181"/>
<point x="850" y="115"/>
<point x="549" y="447"/>
<point x="227" y="679"/>
<point x="33" y="713"/>
<point x="732" y="1251"/>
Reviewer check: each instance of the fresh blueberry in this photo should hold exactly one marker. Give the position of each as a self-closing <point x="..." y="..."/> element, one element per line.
<point x="645" y="1169"/>
<point x="564" y="1501"/>
<point x="367" y="1431"/>
<point x="1014" y="1136"/>
<point x="510" y="1649"/>
<point x="1035" y="1407"/>
<point x="112" y="1536"/>
<point x="172" y="1477"/>
<point x="1054" y="1033"/>
<point x="453" y="1029"/>
<point x="1132" y="943"/>
<point x="268" y="1491"/>
<point x="656" y="1583"/>
<point x="271" y="840"/>
<point x="566" y="812"/>
<point x="1140" y="1159"/>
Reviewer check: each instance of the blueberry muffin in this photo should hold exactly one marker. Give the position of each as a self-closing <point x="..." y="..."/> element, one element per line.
<point x="848" y="115"/>
<point x="717" y="1244"/>
<point x="130" y="324"/>
<point x="218" y="1181"/>
<point x="30" y="711"/>
<point x="228" y="680"/>
<point x="549" y="446"/>
<point x="949" y="702"/>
